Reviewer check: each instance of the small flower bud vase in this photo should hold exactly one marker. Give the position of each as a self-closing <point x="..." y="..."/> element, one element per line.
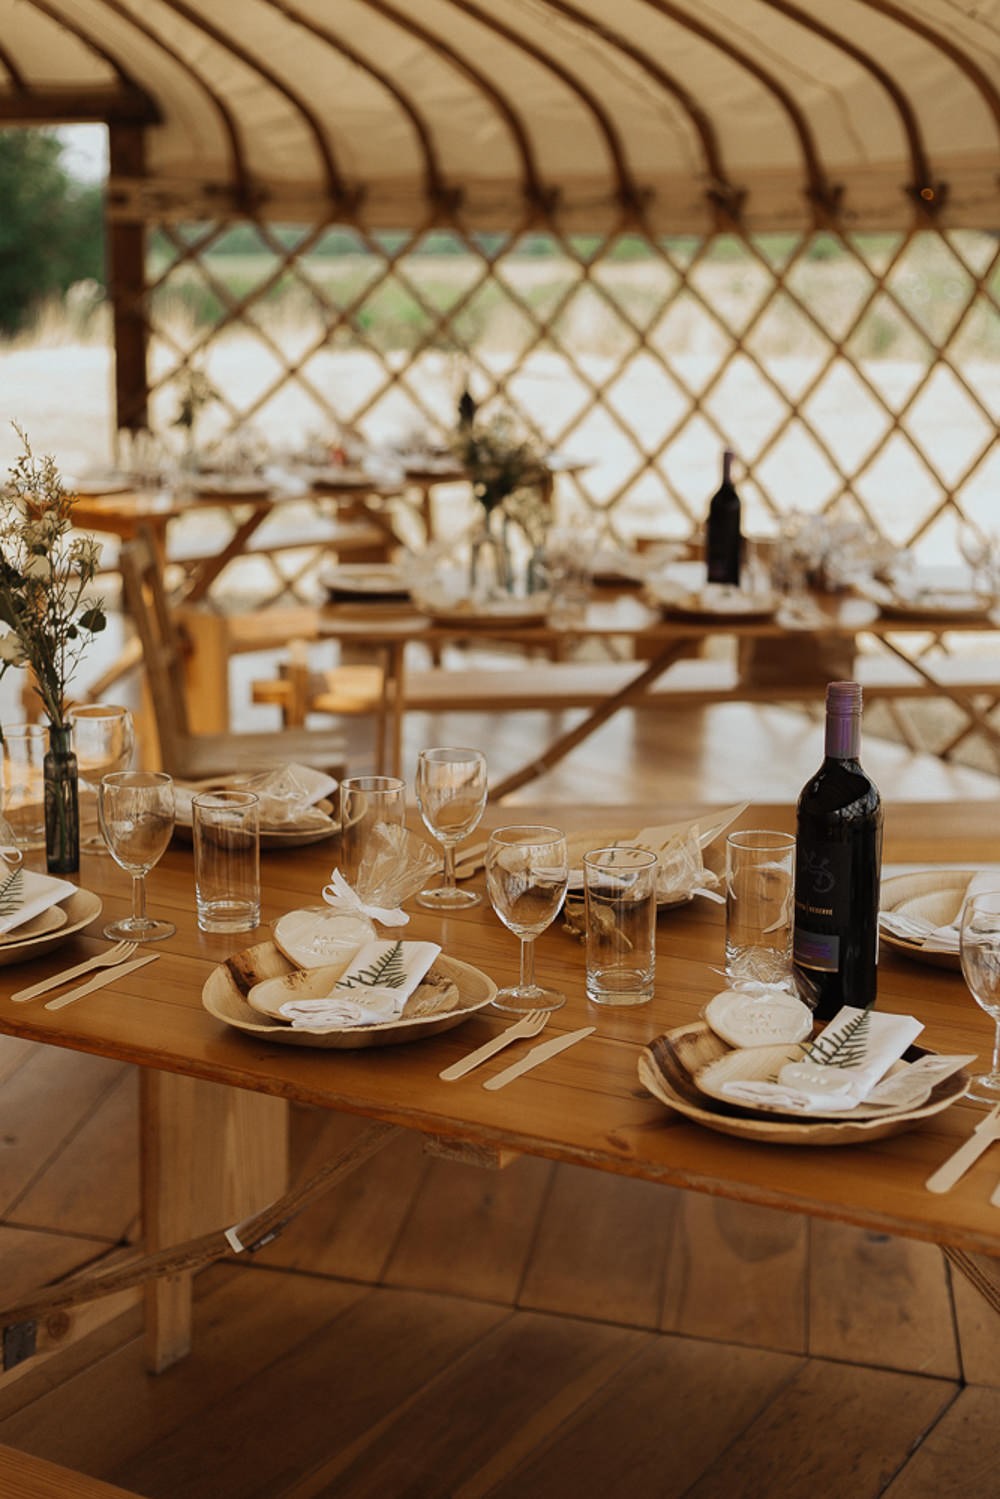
<point x="62" y="806"/>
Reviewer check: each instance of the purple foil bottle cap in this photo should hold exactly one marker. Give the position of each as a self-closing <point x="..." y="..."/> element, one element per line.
<point x="843" y="719"/>
<point x="843" y="697"/>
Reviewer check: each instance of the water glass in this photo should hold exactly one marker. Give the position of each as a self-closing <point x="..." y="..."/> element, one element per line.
<point x="227" y="860"/>
<point x="760" y="885"/>
<point x="366" y="801"/>
<point x="24" y="747"/>
<point x="619" y="887"/>
<point x="979" y="951"/>
<point x="451" y="792"/>
<point x="135" y="809"/>
<point x="527" y="868"/>
<point x="103" y="741"/>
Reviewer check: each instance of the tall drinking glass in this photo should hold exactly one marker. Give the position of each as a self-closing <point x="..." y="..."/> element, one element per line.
<point x="103" y="741"/>
<point x="979" y="948"/>
<point x="451" y="794"/>
<point x="527" y="868"/>
<point x="136" y="812"/>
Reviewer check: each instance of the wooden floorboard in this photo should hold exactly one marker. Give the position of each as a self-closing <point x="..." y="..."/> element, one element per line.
<point x="833" y="1430"/>
<point x="739" y="1274"/>
<point x="960" y="1456"/>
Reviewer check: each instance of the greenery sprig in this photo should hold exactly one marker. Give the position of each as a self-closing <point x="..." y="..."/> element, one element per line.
<point x="844" y="1048"/>
<point x="45" y="573"/>
<point x="388" y="970"/>
<point x="497" y="458"/>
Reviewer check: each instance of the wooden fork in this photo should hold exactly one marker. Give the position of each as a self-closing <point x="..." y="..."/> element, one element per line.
<point x="117" y="954"/>
<point x="528" y="1025"/>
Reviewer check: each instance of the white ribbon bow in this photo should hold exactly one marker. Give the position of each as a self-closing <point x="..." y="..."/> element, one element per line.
<point x="11" y="855"/>
<point x="343" y="898"/>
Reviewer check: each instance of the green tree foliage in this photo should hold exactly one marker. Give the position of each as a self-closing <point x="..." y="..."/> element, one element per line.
<point x="51" y="226"/>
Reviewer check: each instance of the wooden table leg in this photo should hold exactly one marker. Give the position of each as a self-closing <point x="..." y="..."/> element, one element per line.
<point x="561" y="746"/>
<point x="211" y="1156"/>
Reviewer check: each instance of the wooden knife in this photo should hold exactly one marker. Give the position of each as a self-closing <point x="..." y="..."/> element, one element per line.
<point x="536" y="1055"/>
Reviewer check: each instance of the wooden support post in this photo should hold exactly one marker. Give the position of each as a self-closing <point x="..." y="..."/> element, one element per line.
<point x="127" y="285"/>
<point x="211" y="1156"/>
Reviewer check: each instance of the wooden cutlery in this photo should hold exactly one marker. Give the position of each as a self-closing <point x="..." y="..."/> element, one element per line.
<point x="529" y="1025"/>
<point x="536" y="1055"/>
<point x="108" y="959"/>
<point x="982" y="1137"/>
<point x="108" y="977"/>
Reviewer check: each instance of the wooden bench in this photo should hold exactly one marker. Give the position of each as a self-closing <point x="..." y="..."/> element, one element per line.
<point x="555" y="687"/>
<point x="538" y="686"/>
<point x="26" y="1477"/>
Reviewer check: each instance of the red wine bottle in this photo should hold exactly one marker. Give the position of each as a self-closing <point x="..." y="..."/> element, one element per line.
<point x="723" y="542"/>
<point x="838" y="858"/>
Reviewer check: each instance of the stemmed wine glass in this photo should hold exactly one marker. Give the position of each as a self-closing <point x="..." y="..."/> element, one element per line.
<point x="136" y="812"/>
<point x="103" y="741"/>
<point x="979" y="948"/>
<point x="451" y="794"/>
<point x="982" y="552"/>
<point x="527" y="868"/>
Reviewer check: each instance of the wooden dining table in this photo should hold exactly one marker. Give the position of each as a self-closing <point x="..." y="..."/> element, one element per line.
<point x="655" y="655"/>
<point x="215" y="1100"/>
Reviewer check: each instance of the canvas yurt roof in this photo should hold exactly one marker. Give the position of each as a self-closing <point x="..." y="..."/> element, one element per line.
<point x="680" y="113"/>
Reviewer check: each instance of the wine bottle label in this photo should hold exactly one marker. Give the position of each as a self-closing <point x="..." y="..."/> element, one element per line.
<point x="818" y="950"/>
<point x="822" y="905"/>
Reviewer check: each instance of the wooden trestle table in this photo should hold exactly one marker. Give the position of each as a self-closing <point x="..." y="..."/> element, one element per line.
<point x="214" y="1101"/>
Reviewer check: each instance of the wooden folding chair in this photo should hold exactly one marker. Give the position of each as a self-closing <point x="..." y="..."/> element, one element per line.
<point x="186" y="754"/>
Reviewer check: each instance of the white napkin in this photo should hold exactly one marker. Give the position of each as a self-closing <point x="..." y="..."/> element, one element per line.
<point x="945" y="938"/>
<point x="35" y="893"/>
<point x="285" y="793"/>
<point x="859" y="1047"/>
<point x="681" y="870"/>
<point x="375" y="987"/>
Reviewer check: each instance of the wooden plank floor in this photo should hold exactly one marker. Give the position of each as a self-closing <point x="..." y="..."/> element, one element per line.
<point x="433" y="1330"/>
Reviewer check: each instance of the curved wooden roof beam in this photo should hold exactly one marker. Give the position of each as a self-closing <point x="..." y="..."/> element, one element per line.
<point x="244" y="194"/>
<point x="125" y="78"/>
<point x="821" y="193"/>
<point x="335" y="185"/>
<point x="962" y="60"/>
<point x="13" y="72"/>
<point x="725" y="197"/>
<point x="926" y="194"/>
<point x="536" y="195"/>
<point x="629" y="194"/>
<point x="435" y="188"/>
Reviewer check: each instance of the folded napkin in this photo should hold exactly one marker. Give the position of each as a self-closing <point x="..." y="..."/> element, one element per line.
<point x="24" y="894"/>
<point x="286" y="794"/>
<point x="945" y="938"/>
<point x="681" y="871"/>
<point x="374" y="989"/>
<point x="839" y="1069"/>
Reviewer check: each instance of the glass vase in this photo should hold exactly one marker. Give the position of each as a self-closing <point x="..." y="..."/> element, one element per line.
<point x="491" y="561"/>
<point x="62" y="805"/>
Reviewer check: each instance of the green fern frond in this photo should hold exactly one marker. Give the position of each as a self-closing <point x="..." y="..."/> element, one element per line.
<point x="844" y="1048"/>
<point x="388" y="971"/>
<point x="12" y="893"/>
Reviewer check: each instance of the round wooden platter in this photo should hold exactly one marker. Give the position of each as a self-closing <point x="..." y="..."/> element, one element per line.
<point x="933" y="895"/>
<point x="736" y="609"/>
<point x="667" y="1068"/>
<point x="482" y="617"/>
<point x="227" y="985"/>
<point x="78" y="910"/>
